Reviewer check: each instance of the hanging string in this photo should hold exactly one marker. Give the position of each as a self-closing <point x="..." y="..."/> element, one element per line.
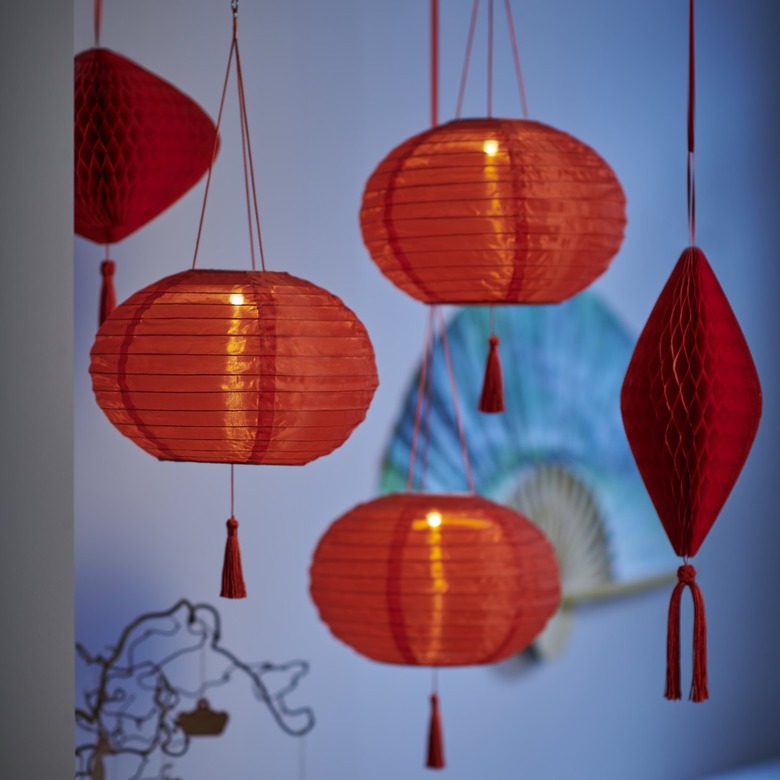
<point x="246" y="149"/>
<point x="455" y="403"/>
<point x="98" y="20"/>
<point x="426" y="430"/>
<point x="490" y="50"/>
<point x="490" y="60"/>
<point x="516" y="56"/>
<point x="434" y="63"/>
<point x="244" y="159"/>
<point x="232" y="483"/>
<point x="421" y="388"/>
<point x="691" y="184"/>
<point x="245" y="121"/>
<point x="215" y="147"/>
<point x="467" y="60"/>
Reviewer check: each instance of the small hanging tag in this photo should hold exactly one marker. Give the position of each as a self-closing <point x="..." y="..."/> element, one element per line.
<point x="107" y="291"/>
<point x="435" y="741"/>
<point x="492" y="399"/>
<point x="699" y="687"/>
<point x="233" y="586"/>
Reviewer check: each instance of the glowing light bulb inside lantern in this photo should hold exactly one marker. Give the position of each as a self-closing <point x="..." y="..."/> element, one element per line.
<point x="237" y="299"/>
<point x="433" y="519"/>
<point x="490" y="147"/>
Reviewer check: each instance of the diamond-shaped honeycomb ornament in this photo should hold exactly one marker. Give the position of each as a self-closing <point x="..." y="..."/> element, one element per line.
<point x="140" y="144"/>
<point x="691" y="402"/>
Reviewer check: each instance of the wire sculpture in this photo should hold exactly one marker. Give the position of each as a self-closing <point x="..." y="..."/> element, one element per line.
<point x="135" y="708"/>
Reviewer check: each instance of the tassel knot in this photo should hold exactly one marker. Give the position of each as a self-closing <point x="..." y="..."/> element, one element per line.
<point x="233" y="586"/>
<point x="699" y="685"/>
<point x="686" y="574"/>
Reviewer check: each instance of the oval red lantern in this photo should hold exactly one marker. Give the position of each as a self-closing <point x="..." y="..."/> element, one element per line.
<point x="140" y="144"/>
<point x="435" y="580"/>
<point x="234" y="367"/>
<point x="493" y="211"/>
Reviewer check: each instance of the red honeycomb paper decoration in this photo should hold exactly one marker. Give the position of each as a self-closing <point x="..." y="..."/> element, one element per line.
<point x="691" y="404"/>
<point x="140" y="144"/>
<point x="234" y="367"/>
<point x="480" y="211"/>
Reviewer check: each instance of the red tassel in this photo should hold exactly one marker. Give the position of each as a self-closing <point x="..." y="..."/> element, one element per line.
<point x="435" y="741"/>
<point x="107" y="292"/>
<point x="699" y="690"/>
<point x="492" y="399"/>
<point x="233" y="586"/>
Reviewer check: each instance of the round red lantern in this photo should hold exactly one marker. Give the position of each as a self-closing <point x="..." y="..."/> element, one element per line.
<point x="404" y="579"/>
<point x="234" y="367"/>
<point x="435" y="580"/>
<point x="493" y="211"/>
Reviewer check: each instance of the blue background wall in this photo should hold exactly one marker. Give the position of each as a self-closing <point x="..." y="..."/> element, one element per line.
<point x="331" y="88"/>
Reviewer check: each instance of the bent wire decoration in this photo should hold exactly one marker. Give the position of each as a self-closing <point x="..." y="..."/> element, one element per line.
<point x="135" y="707"/>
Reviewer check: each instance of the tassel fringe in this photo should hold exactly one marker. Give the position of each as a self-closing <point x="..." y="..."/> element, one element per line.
<point x="233" y="586"/>
<point x="492" y="399"/>
<point x="699" y="686"/>
<point x="435" y="741"/>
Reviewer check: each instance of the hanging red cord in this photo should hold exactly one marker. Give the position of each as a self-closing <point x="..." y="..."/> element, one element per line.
<point x="490" y="60"/>
<point x="434" y="63"/>
<point x="691" y="181"/>
<point x="98" y="20"/>
<point x="516" y="56"/>
<point x="246" y="151"/>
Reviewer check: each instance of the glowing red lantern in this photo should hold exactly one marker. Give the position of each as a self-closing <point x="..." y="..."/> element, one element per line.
<point x="435" y="580"/>
<point x="140" y="144"/>
<point x="238" y="367"/>
<point x="234" y="367"/>
<point x="493" y="211"/>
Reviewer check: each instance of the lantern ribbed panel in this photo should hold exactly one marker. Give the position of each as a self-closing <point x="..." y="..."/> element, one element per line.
<point x="475" y="589"/>
<point x="234" y="367"/>
<point x="691" y="402"/>
<point x="140" y="144"/>
<point x="534" y="221"/>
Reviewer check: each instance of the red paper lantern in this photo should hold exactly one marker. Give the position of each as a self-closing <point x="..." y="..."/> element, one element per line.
<point x="691" y="404"/>
<point x="493" y="211"/>
<point x="140" y="144"/>
<point x="234" y="367"/>
<point x="435" y="580"/>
